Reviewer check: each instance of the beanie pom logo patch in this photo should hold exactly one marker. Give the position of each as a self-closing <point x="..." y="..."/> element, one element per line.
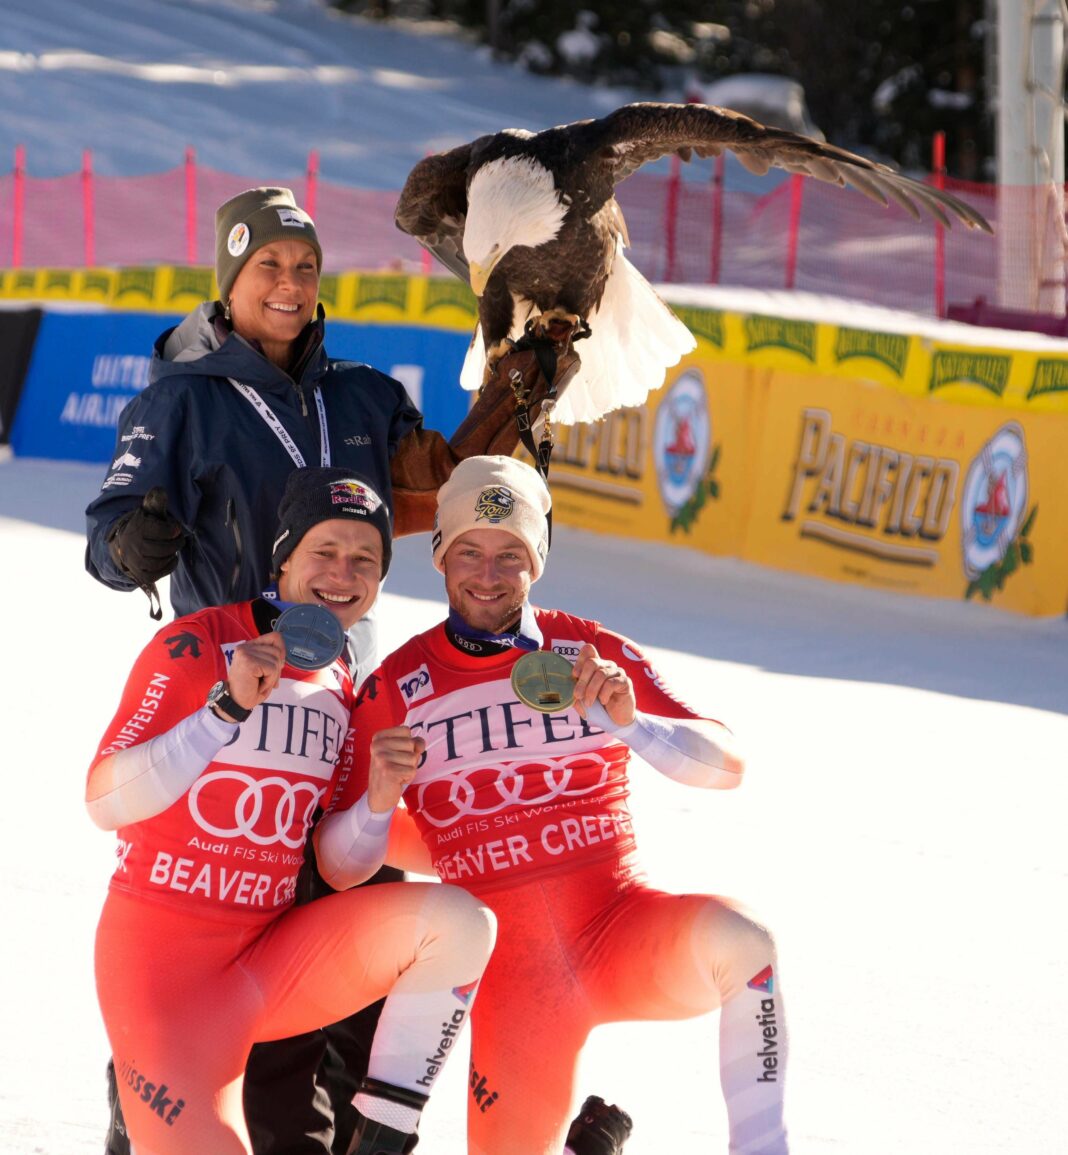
<point x="494" y="503"/>
<point x="237" y="241"/>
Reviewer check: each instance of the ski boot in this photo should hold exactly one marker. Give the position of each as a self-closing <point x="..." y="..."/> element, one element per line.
<point x="599" y="1129"/>
<point x="373" y="1138"/>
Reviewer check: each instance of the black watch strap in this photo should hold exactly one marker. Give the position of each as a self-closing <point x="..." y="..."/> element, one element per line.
<point x="219" y="700"/>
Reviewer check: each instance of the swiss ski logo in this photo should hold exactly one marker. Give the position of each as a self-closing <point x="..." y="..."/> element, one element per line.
<point x="765" y="981"/>
<point x="465" y="994"/>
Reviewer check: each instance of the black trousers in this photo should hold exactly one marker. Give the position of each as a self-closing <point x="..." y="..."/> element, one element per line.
<point x="298" y="1092"/>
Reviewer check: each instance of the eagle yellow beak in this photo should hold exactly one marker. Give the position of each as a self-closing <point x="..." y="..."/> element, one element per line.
<point x="480" y="275"/>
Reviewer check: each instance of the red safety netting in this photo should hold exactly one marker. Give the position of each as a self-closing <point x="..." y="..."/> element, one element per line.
<point x="800" y="235"/>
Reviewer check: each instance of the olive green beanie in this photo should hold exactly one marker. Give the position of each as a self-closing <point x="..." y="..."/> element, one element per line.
<point x="251" y="220"/>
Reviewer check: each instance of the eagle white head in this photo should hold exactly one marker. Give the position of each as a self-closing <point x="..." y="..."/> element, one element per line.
<point x="511" y="201"/>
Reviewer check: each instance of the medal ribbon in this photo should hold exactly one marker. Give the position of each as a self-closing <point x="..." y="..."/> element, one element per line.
<point x="527" y="635"/>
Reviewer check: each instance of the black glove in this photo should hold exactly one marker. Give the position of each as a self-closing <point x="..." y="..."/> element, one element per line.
<point x="145" y="542"/>
<point x="599" y="1128"/>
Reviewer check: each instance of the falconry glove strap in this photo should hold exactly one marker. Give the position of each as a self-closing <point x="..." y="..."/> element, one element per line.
<point x="424" y="459"/>
<point x="550" y="343"/>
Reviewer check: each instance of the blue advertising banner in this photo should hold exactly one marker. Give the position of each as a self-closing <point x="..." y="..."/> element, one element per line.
<point x="86" y="367"/>
<point x="84" y="370"/>
<point x="427" y="362"/>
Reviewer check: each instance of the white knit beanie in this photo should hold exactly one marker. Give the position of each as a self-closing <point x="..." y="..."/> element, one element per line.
<point x="494" y="493"/>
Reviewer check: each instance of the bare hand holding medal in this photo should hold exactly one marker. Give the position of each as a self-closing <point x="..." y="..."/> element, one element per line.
<point x="252" y="675"/>
<point x="598" y="679"/>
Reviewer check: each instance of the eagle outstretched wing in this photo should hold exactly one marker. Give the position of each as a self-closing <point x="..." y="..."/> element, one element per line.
<point x="432" y="206"/>
<point x="544" y="230"/>
<point x="639" y="133"/>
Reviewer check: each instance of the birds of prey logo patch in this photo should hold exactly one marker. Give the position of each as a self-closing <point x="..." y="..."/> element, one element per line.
<point x="764" y="981"/>
<point x="237" y="241"/>
<point x="494" y="503"/>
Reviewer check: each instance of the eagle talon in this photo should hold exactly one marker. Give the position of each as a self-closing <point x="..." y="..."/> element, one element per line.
<point x="494" y="355"/>
<point x="557" y="327"/>
<point x="553" y="322"/>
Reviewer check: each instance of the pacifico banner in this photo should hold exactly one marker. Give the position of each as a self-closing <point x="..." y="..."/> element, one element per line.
<point x="775" y="460"/>
<point x="878" y="488"/>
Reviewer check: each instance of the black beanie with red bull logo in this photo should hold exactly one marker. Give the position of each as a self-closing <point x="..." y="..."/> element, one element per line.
<point x="320" y="494"/>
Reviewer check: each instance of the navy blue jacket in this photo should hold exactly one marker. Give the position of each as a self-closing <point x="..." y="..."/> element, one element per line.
<point x="223" y="468"/>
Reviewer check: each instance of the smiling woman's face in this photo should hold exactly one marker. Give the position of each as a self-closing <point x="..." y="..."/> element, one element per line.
<point x="274" y="297"/>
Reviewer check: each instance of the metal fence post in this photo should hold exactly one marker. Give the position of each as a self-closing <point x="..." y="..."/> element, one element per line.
<point x="88" y="221"/>
<point x="190" y="206"/>
<point x="18" y="223"/>
<point x="796" y="189"/>
<point x="671" y="216"/>
<point x="938" y="167"/>
<point x="311" y="187"/>
<point x="717" y="219"/>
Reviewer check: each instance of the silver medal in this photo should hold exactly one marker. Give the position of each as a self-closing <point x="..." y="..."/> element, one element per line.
<point x="313" y="636"/>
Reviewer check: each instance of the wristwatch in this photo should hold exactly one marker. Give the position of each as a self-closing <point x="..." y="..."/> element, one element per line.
<point x="219" y="699"/>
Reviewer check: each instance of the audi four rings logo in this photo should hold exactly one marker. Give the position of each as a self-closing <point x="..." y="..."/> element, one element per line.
<point x="447" y="800"/>
<point x="255" y="802"/>
<point x="415" y="685"/>
<point x="567" y="649"/>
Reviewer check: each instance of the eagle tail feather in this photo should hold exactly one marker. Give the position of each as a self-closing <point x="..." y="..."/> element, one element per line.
<point x="635" y="339"/>
<point x="474" y="366"/>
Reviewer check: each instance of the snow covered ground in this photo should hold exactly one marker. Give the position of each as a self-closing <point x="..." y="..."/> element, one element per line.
<point x="901" y="827"/>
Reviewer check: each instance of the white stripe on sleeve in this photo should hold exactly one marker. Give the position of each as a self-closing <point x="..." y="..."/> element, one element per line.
<point x="687" y="750"/>
<point x="143" y="780"/>
<point x="350" y="845"/>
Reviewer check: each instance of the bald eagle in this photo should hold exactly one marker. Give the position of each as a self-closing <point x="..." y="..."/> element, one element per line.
<point x="531" y="222"/>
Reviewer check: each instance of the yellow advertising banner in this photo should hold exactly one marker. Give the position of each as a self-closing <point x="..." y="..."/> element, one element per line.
<point x="380" y="298"/>
<point x="662" y="472"/>
<point x="827" y="476"/>
<point x="918" y="495"/>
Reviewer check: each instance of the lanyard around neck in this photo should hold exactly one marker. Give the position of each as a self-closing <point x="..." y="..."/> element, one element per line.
<point x="279" y="430"/>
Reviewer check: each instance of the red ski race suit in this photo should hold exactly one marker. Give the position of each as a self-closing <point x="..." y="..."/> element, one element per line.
<point x="529" y="812"/>
<point x="200" y="951"/>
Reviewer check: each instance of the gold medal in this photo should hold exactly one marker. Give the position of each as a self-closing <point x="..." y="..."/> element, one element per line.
<point x="542" y="680"/>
